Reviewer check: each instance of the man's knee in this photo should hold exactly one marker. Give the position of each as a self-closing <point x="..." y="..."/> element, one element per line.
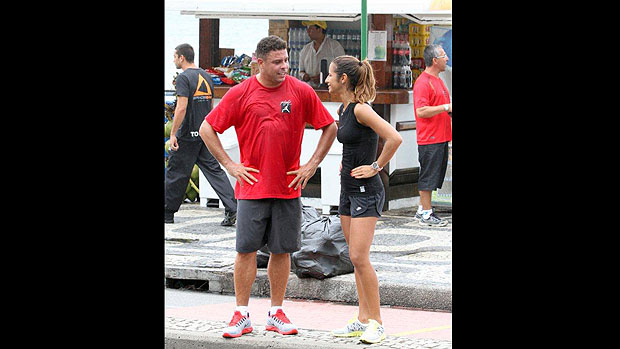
<point x="246" y="258"/>
<point x="246" y="255"/>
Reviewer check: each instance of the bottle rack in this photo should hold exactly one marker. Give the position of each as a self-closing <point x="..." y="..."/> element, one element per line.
<point x="298" y="37"/>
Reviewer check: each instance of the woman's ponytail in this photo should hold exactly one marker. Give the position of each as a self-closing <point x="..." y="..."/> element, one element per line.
<point x="361" y="77"/>
<point x="365" y="90"/>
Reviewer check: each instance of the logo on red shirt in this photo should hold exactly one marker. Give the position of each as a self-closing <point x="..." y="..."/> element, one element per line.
<point x="285" y="107"/>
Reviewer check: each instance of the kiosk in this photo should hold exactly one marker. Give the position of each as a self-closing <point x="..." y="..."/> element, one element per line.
<point x="395" y="105"/>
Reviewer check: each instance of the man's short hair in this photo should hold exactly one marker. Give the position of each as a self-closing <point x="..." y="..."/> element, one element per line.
<point x="268" y="44"/>
<point x="187" y="51"/>
<point x="431" y="51"/>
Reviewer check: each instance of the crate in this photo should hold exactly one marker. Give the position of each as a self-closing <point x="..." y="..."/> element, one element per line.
<point x="419" y="40"/>
<point x="278" y="24"/>
<point x="281" y="32"/>
<point x="419" y="29"/>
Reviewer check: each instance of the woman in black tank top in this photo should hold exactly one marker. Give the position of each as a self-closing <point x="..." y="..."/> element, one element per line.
<point x="361" y="190"/>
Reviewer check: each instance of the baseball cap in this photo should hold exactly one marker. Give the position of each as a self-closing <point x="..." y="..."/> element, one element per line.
<point x="321" y="24"/>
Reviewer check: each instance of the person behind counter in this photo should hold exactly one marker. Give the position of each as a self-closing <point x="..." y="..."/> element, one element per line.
<point x="321" y="47"/>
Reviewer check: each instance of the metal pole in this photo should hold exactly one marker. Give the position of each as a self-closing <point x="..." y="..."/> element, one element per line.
<point x="364" y="31"/>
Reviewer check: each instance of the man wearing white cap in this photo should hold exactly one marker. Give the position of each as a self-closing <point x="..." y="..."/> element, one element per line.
<point x="321" y="47"/>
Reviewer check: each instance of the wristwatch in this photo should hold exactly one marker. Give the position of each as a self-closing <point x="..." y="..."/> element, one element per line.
<point x="375" y="166"/>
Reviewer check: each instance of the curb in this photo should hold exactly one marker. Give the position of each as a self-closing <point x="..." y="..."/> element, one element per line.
<point x="336" y="289"/>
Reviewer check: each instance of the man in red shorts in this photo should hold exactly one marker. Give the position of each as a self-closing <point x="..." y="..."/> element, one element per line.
<point x="433" y="115"/>
<point x="269" y="112"/>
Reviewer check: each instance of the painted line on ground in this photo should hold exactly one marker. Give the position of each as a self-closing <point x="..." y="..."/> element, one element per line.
<point x="429" y="329"/>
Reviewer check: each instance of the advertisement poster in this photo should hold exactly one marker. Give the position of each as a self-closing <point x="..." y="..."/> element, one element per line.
<point x="377" y="45"/>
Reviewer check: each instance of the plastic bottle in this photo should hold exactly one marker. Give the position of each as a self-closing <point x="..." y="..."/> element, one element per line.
<point x="408" y="82"/>
<point x="290" y="38"/>
<point x="395" y="58"/>
<point x="254" y="65"/>
<point x="407" y="53"/>
<point x="350" y="40"/>
<point x="395" y="77"/>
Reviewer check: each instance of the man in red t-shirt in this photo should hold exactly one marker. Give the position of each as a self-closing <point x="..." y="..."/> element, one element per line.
<point x="269" y="112"/>
<point x="433" y="115"/>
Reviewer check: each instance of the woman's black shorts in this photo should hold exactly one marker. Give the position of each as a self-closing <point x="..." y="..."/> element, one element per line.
<point x="361" y="206"/>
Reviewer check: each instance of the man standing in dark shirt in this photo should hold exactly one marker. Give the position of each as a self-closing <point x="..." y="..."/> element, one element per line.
<point x="194" y="89"/>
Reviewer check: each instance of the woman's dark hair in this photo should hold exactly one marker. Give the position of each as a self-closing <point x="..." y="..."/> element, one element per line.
<point x="361" y="77"/>
<point x="268" y="44"/>
<point x="187" y="51"/>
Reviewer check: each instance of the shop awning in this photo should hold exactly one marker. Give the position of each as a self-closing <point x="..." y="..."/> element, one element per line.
<point x="419" y="11"/>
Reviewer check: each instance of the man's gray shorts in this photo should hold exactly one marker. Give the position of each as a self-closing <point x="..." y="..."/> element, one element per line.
<point x="433" y="160"/>
<point x="275" y="222"/>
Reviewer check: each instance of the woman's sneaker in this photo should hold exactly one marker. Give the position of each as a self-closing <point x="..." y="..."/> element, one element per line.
<point x="238" y="326"/>
<point x="374" y="333"/>
<point x="278" y="322"/>
<point x="433" y="221"/>
<point x="354" y="328"/>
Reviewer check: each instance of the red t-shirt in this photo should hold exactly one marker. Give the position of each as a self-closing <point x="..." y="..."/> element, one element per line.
<point x="270" y="126"/>
<point x="438" y="128"/>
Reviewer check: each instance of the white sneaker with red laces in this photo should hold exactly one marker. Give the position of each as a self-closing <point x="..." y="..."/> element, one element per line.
<point x="239" y="325"/>
<point x="278" y="322"/>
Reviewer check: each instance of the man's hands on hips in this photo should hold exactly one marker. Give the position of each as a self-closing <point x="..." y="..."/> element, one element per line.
<point x="242" y="173"/>
<point x="302" y="175"/>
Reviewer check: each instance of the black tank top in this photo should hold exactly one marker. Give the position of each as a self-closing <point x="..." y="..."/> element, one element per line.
<point x="359" y="147"/>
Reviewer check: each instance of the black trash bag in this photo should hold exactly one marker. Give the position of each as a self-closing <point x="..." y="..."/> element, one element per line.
<point x="324" y="252"/>
<point x="262" y="257"/>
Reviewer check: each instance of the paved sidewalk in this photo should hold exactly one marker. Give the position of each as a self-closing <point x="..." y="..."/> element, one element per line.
<point x="181" y="334"/>
<point x="413" y="262"/>
<point x="191" y="326"/>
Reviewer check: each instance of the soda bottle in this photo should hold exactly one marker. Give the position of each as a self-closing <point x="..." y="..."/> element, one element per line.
<point x="396" y="77"/>
<point x="408" y="77"/>
<point x="395" y="59"/>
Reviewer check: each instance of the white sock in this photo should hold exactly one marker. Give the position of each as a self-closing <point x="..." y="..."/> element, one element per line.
<point x="426" y="213"/>
<point x="420" y="209"/>
<point x="274" y="310"/>
<point x="243" y="309"/>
